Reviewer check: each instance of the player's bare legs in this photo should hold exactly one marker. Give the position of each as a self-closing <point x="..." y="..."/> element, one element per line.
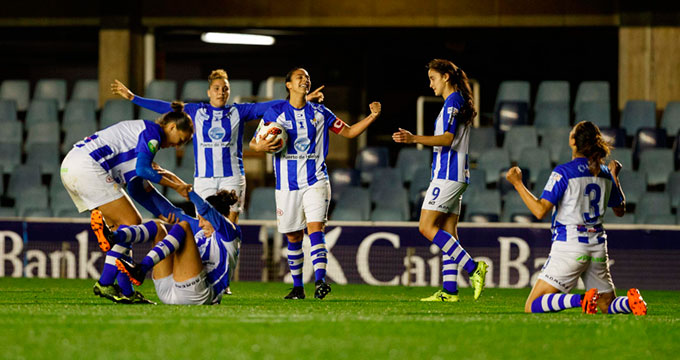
<point x="187" y="263"/>
<point x="540" y="288"/>
<point x="430" y="222"/>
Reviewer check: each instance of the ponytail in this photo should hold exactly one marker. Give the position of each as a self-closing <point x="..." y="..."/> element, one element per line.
<point x="590" y="143"/>
<point x="459" y="80"/>
<point x="181" y="119"/>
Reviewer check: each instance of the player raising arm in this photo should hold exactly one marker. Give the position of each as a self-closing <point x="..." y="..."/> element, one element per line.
<point x="450" y="177"/>
<point x="96" y="169"/>
<point x="303" y="191"/>
<point x="578" y="194"/>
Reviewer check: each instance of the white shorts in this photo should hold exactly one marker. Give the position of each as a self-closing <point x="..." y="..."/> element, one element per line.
<point x="567" y="262"/>
<point x="296" y="208"/>
<point x="89" y="185"/>
<point x="195" y="291"/>
<point x="205" y="186"/>
<point x="444" y="196"/>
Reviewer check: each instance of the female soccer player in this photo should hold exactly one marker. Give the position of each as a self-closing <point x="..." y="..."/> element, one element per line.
<point x="450" y="177"/>
<point x="302" y="187"/>
<point x="579" y="192"/>
<point x="95" y="170"/>
<point x="195" y="262"/>
<point x="218" y="144"/>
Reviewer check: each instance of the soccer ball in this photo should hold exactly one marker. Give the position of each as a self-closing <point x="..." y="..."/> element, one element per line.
<point x="273" y="129"/>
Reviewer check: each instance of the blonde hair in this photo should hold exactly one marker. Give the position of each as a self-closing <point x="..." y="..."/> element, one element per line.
<point x="217" y="74"/>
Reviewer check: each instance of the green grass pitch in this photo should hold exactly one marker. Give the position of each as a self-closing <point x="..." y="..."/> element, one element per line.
<point x="61" y="319"/>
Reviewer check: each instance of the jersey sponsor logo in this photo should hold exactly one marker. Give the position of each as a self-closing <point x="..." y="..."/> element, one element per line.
<point x="217" y="133"/>
<point x="217" y="115"/>
<point x="302" y="144"/>
<point x="554" y="178"/>
<point x="153" y="146"/>
<point x="318" y="117"/>
<point x="301" y="157"/>
<point x="287" y="124"/>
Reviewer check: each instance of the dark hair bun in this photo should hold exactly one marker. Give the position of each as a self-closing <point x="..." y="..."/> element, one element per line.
<point x="177" y="106"/>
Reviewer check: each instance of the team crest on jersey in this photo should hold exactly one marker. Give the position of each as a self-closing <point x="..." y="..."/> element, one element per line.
<point x="217" y="133"/>
<point x="318" y="117"/>
<point x="152" y="145"/>
<point x="302" y="144"/>
<point x="554" y="178"/>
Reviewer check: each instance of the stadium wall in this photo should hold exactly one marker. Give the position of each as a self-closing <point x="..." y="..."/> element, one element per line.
<point x="370" y="253"/>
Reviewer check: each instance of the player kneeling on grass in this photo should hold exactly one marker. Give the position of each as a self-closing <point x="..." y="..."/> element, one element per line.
<point x="195" y="262"/>
<point x="579" y="191"/>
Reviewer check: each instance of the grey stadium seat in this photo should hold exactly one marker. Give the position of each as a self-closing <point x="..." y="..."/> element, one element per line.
<point x="638" y="114"/>
<point x="51" y="89"/>
<point x="86" y="89"/>
<point x="671" y="118"/>
<point x="162" y="90"/>
<point x="41" y="111"/>
<point x="17" y="90"/>
<point x="79" y="113"/>
<point x="354" y="206"/>
<point x="8" y="111"/>
<point x="481" y="139"/>
<point x="657" y="164"/>
<point x="116" y="110"/>
<point x="45" y="156"/>
<point x="591" y="91"/>
<point x="652" y="204"/>
<point x="634" y="185"/>
<point x="518" y="138"/>
<point x="408" y="161"/>
<point x="492" y="162"/>
<point x="597" y="112"/>
<point x="262" y="204"/>
<point x="551" y="93"/>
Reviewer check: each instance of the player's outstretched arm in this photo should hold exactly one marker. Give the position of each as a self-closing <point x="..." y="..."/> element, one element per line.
<point x="538" y="207"/>
<point x="406" y="137"/>
<point x="159" y="106"/>
<point x="358" y="128"/>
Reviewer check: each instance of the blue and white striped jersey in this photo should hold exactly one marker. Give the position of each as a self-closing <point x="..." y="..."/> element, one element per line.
<point x="451" y="162"/>
<point x="303" y="160"/>
<point x="580" y="201"/>
<point x="218" y="133"/>
<point x="116" y="147"/>
<point x="219" y="252"/>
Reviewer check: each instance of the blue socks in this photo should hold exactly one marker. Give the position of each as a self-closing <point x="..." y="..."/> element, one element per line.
<point x="135" y="234"/>
<point x="620" y="305"/>
<point x="295" y="261"/>
<point x="555" y="302"/>
<point x="165" y="247"/>
<point x="318" y="253"/>
<point x="124" y="281"/>
<point x="451" y="247"/>
<point x="110" y="270"/>
<point x="450" y="274"/>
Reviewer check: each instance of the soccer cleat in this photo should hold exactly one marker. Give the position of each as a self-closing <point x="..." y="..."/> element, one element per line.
<point x="478" y="278"/>
<point x="636" y="303"/>
<point x="322" y="289"/>
<point x="297" y="293"/>
<point x="111" y="292"/>
<point x="101" y="231"/>
<point x="589" y="301"/>
<point x="441" y="296"/>
<point x="138" y="298"/>
<point x="227" y="291"/>
<point x="132" y="270"/>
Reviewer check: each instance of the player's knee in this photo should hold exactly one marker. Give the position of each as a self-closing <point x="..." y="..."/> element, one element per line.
<point x="427" y="231"/>
<point x="295" y="236"/>
<point x="185" y="226"/>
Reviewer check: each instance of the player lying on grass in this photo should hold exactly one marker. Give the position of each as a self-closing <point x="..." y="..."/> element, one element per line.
<point x="195" y="262"/>
<point x="579" y="192"/>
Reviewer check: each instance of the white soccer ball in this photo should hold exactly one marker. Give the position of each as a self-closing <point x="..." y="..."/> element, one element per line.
<point x="273" y="130"/>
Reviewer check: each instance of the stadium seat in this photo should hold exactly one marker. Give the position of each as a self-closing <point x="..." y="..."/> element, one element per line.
<point x="8" y="111"/>
<point x="385" y="181"/>
<point x="45" y="156"/>
<point x="623" y="155"/>
<point x="370" y="158"/>
<point x="550" y="118"/>
<point x="188" y="155"/>
<point x="273" y="87"/>
<point x="42" y="133"/>
<point x="41" y="111"/>
<point x="12" y="132"/>
<point x="31" y="199"/>
<point x="492" y="162"/>
<point x="51" y="89"/>
<point x="78" y="113"/>
<point x="514" y="210"/>
<point x="485" y="207"/>
<point x="551" y="93"/>
<point x="410" y="158"/>
<point x="262" y="204"/>
<point x="505" y="187"/>
<point x="116" y="110"/>
<point x="541" y="181"/>
<point x="147" y="114"/>
<point x="481" y="139"/>
<point x="162" y="90"/>
<point x="419" y="183"/>
<point x="671" y="118"/>
<point x="510" y="114"/>
<point x="614" y="136"/>
<point x="341" y="179"/>
<point x="597" y="112"/>
<point x="167" y="159"/>
<point x="477" y="179"/>
<point x="589" y="91"/>
<point x="37" y="213"/>
<point x="652" y="204"/>
<point x="7" y="212"/>
<point x="634" y="185"/>
<point x="73" y="134"/>
<point x="86" y="89"/>
<point x="535" y="159"/>
<point x="242" y="88"/>
<point x="195" y="91"/>
<point x="71" y="213"/>
<point x="184" y="172"/>
<point x="518" y="138"/>
<point x="17" y="90"/>
<point x="354" y="206"/>
<point x="23" y="177"/>
<point x="674" y="189"/>
<point x="394" y="207"/>
<point x="10" y="156"/>
<point x="657" y="164"/>
<point x="555" y="141"/>
<point x="676" y="151"/>
<point x="648" y="138"/>
<point x="513" y="91"/>
<point x="638" y="114"/>
<point x="611" y="218"/>
<point x="665" y="219"/>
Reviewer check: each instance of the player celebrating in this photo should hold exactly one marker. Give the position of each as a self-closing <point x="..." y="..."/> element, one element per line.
<point x="218" y="144"/>
<point x="94" y="171"/>
<point x="302" y="187"/>
<point x="579" y="191"/>
<point x="450" y="177"/>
